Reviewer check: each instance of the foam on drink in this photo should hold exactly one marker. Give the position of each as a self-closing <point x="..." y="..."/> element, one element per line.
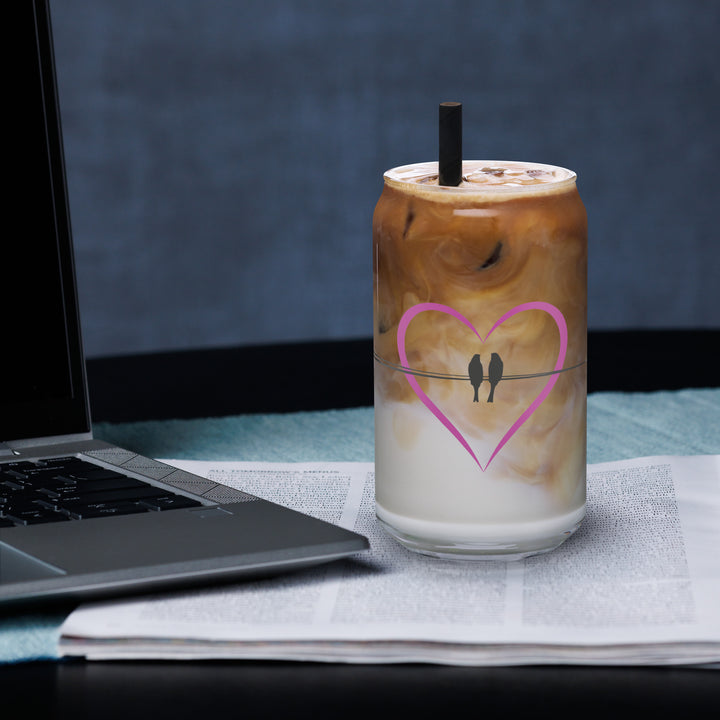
<point x="504" y="175"/>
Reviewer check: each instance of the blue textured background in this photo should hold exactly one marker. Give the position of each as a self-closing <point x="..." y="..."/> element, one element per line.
<point x="225" y="157"/>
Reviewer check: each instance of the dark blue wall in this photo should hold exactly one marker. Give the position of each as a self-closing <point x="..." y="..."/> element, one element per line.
<point x="225" y="156"/>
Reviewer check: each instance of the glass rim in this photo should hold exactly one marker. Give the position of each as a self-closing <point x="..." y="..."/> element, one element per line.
<point x="409" y="177"/>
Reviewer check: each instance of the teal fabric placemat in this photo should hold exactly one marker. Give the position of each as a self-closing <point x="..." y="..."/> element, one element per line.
<point x="620" y="426"/>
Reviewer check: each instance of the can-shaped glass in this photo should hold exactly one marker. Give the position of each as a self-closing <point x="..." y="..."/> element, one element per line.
<point x="480" y="342"/>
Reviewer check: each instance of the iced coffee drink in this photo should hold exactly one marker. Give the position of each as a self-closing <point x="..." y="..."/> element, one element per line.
<point x="480" y="350"/>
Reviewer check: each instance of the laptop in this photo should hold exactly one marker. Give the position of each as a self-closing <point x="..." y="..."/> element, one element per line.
<point x="81" y="518"/>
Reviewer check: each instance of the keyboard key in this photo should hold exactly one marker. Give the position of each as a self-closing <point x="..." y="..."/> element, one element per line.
<point x="92" y="473"/>
<point x="33" y="516"/>
<point x="66" y="489"/>
<point x="129" y="494"/>
<point x="103" y="509"/>
<point x="169" y="502"/>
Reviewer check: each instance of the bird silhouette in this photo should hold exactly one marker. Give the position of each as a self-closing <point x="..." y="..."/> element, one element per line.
<point x="495" y="371"/>
<point x="475" y="371"/>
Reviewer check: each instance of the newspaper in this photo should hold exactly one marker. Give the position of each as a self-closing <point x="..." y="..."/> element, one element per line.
<point x="638" y="584"/>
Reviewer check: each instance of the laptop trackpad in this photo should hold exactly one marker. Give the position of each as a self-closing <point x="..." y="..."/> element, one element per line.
<point x="17" y="566"/>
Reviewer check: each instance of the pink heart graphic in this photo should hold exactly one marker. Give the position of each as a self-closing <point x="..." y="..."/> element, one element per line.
<point x="556" y="315"/>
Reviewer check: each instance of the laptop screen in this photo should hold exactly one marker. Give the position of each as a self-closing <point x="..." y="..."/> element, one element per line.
<point x="43" y="368"/>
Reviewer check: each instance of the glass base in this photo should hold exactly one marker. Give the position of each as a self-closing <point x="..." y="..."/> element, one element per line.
<point x="487" y="548"/>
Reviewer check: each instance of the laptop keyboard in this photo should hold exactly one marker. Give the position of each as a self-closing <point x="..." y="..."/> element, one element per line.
<point x="69" y="488"/>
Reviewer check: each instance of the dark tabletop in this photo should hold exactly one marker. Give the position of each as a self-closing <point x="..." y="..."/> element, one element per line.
<point x="339" y="374"/>
<point x="323" y="375"/>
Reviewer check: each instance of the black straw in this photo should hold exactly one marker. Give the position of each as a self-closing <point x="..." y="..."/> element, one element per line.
<point x="450" y="157"/>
